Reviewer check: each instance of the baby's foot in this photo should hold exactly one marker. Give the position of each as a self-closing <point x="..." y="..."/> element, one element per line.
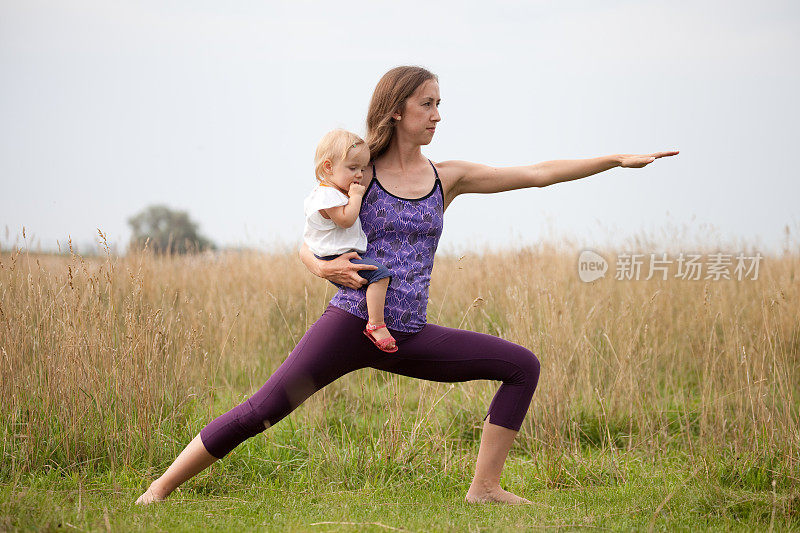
<point x="381" y="334"/>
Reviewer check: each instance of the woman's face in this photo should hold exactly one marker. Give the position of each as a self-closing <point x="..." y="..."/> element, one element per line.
<point x="419" y="117"/>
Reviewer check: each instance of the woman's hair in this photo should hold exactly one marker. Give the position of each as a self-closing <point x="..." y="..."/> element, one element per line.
<point x="334" y="146"/>
<point x="389" y="97"/>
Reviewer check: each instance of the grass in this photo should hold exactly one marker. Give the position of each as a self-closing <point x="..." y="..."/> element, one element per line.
<point x="587" y="490"/>
<point x="662" y="405"/>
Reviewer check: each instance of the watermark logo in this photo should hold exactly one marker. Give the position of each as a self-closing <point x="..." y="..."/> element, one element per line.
<point x="646" y="266"/>
<point x="591" y="266"/>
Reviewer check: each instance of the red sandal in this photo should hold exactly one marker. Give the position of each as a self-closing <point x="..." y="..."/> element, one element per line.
<point x="381" y="344"/>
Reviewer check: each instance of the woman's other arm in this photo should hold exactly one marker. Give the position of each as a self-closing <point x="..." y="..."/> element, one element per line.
<point x="339" y="270"/>
<point x="476" y="178"/>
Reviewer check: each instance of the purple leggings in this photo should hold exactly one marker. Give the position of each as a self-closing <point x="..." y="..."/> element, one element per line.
<point x="335" y="345"/>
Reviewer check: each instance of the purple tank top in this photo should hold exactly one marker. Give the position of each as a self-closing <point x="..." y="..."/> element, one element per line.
<point x="403" y="234"/>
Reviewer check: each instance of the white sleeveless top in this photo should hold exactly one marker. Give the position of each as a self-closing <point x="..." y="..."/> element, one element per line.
<point x="322" y="235"/>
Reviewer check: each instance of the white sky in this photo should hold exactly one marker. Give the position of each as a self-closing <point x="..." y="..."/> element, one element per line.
<point x="216" y="108"/>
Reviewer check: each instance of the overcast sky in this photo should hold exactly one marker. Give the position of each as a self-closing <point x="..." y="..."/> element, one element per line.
<point x="216" y="108"/>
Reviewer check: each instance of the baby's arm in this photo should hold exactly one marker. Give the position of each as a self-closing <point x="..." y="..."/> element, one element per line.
<point x="345" y="215"/>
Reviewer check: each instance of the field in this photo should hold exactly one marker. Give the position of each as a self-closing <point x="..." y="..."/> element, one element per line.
<point x="662" y="404"/>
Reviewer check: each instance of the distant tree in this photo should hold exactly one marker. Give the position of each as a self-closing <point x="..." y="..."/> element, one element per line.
<point x="169" y="231"/>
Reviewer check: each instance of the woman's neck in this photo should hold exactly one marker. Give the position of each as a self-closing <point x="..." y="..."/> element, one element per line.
<point x="401" y="155"/>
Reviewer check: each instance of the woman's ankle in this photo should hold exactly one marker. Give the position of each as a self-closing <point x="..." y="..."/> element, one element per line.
<point x="484" y="485"/>
<point x="158" y="489"/>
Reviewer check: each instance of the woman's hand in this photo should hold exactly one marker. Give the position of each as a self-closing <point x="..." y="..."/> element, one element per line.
<point x="639" y="161"/>
<point x="339" y="270"/>
<point x="343" y="272"/>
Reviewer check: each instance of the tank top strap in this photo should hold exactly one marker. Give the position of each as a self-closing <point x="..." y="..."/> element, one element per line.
<point x="436" y="172"/>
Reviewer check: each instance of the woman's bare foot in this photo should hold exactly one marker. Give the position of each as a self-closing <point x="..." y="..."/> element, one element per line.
<point x="152" y="494"/>
<point x="493" y="495"/>
<point x="191" y="461"/>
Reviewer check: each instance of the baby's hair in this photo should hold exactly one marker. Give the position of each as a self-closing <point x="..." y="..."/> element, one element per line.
<point x="334" y="146"/>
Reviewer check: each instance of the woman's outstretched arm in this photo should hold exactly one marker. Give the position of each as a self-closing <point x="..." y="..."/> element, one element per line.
<point x="339" y="270"/>
<point x="476" y="178"/>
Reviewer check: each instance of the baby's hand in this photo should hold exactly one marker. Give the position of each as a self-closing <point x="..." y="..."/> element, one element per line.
<point x="357" y="189"/>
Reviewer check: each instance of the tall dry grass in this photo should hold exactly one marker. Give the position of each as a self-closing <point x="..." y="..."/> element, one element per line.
<point x="118" y="360"/>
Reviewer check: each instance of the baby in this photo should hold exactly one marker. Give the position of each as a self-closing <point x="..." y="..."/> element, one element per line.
<point x="332" y="225"/>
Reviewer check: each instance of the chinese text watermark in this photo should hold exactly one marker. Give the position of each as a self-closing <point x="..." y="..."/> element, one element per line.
<point x="685" y="266"/>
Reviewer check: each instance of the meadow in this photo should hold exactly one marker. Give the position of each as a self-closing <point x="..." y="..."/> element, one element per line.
<point x="662" y="404"/>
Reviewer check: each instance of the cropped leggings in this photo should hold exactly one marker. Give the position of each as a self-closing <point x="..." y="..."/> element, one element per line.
<point x="335" y="345"/>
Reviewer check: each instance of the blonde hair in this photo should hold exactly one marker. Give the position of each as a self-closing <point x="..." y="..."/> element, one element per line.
<point x="334" y="147"/>
<point x="390" y="97"/>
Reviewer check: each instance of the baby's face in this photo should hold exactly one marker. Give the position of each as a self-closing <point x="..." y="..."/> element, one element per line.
<point x="351" y="168"/>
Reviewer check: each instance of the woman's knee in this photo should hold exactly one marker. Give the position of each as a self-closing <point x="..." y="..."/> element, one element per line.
<point x="528" y="365"/>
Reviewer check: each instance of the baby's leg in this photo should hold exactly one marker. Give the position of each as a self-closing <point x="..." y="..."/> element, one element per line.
<point x="376" y="300"/>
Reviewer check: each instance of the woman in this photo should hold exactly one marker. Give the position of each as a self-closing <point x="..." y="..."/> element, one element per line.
<point x="402" y="215"/>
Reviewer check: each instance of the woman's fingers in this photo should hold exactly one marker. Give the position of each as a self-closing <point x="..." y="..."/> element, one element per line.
<point x="664" y="154"/>
<point x="347" y="273"/>
<point x="639" y="161"/>
<point x="341" y="271"/>
<point x="354" y="284"/>
<point x="356" y="266"/>
<point x="353" y="280"/>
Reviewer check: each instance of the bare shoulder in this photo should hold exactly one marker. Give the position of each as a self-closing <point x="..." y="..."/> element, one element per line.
<point x="452" y="174"/>
<point x="451" y="169"/>
<point x="454" y="170"/>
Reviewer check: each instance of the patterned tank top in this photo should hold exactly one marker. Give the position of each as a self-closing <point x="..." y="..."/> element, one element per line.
<point x="403" y="234"/>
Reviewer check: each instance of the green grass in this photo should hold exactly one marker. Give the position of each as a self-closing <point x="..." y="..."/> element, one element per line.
<point x="337" y="476"/>
<point x="344" y="463"/>
<point x="590" y="490"/>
